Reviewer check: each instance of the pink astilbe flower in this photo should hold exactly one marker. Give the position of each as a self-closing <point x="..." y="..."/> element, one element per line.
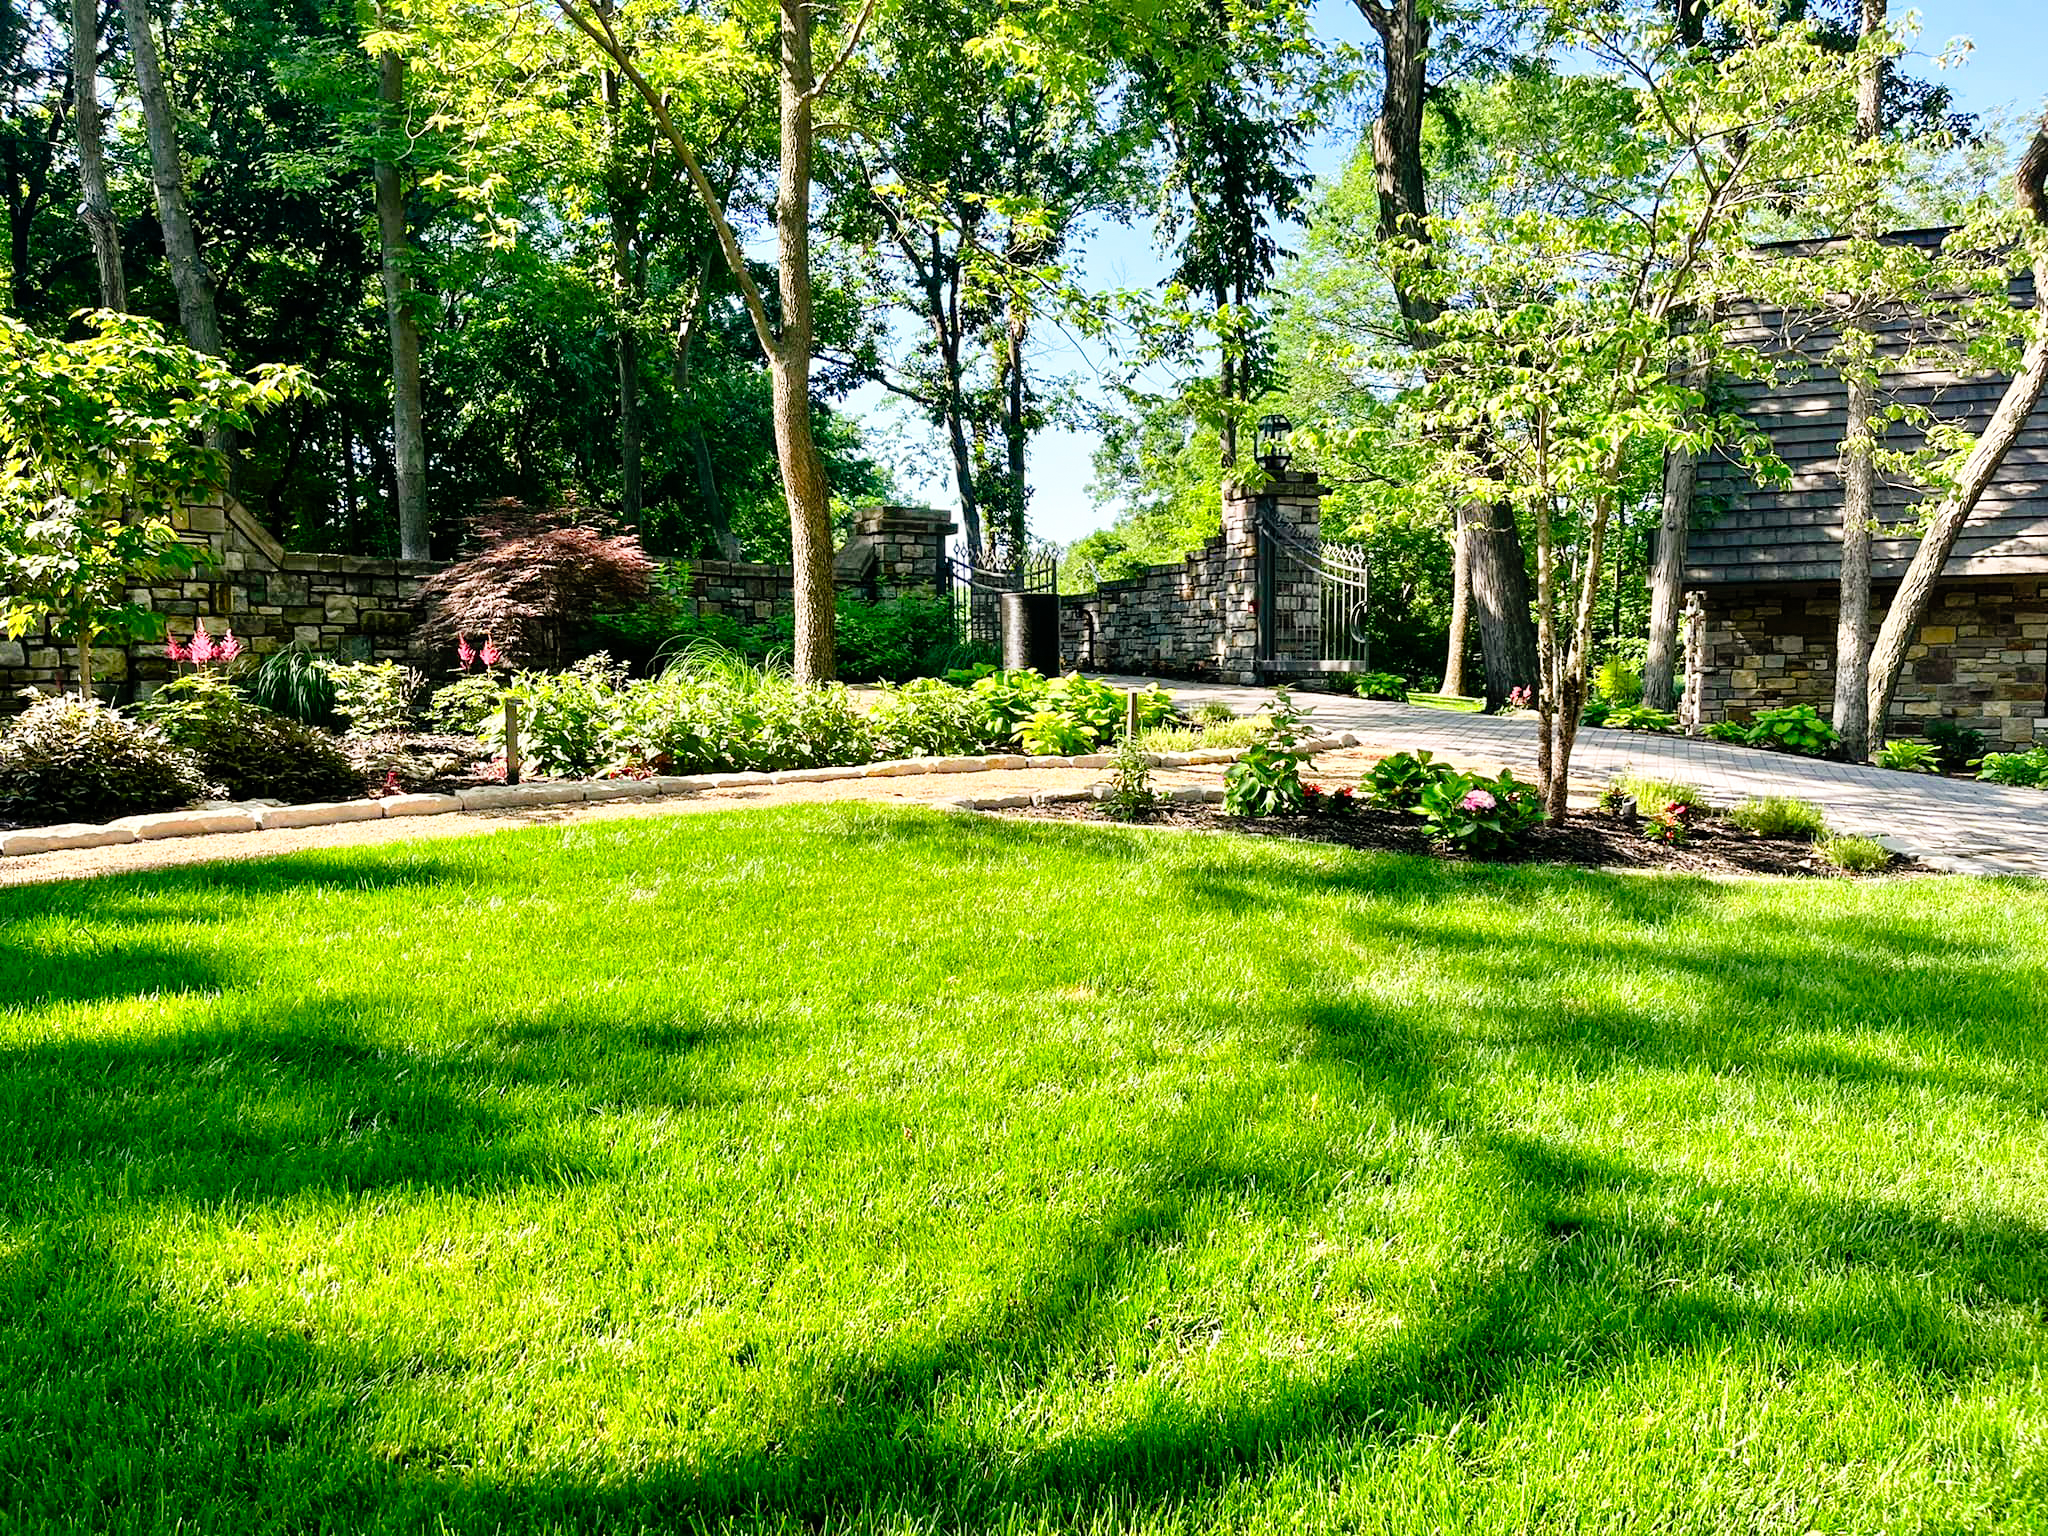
<point x="465" y="652"/>
<point x="490" y="653"/>
<point x="229" y="647"/>
<point x="202" y="650"/>
<point x="174" y="650"/>
<point x="1478" y="800"/>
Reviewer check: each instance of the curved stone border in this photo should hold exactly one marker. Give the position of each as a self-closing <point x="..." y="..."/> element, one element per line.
<point x="208" y="820"/>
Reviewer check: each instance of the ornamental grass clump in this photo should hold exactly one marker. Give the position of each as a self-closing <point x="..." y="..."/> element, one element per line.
<point x="1779" y="816"/>
<point x="77" y="760"/>
<point x="1854" y="855"/>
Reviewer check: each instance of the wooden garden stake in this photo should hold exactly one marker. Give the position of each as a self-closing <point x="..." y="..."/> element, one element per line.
<point x="511" y="741"/>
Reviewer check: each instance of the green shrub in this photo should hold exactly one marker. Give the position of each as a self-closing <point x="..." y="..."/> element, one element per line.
<point x="249" y="752"/>
<point x="295" y="683"/>
<point x="463" y="705"/>
<point x="1596" y="711"/>
<point x="569" y="722"/>
<point x="1651" y="793"/>
<point x="1398" y="781"/>
<point x="1266" y="781"/>
<point x="1638" y="717"/>
<point x="712" y="711"/>
<point x="1957" y="745"/>
<point x="1390" y="687"/>
<point x="1619" y="681"/>
<point x="1857" y="855"/>
<point x="374" y="697"/>
<point x="1476" y="815"/>
<point x="1052" y="733"/>
<point x="2028" y="770"/>
<point x="1909" y="756"/>
<point x="929" y="718"/>
<point x="892" y="640"/>
<point x="1779" y="816"/>
<point x="1726" y="730"/>
<point x="1795" y="728"/>
<point x="1214" y="712"/>
<point x="72" y="760"/>
<point x="1131" y="795"/>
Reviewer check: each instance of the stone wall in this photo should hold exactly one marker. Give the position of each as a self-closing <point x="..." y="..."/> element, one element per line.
<point x="1981" y="659"/>
<point x="364" y="610"/>
<point x="1200" y="616"/>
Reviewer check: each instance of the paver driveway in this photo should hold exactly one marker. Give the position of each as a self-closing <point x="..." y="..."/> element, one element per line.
<point x="1951" y="823"/>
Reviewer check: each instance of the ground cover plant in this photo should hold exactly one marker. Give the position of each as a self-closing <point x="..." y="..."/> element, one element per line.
<point x="75" y="760"/>
<point x="570" y="1204"/>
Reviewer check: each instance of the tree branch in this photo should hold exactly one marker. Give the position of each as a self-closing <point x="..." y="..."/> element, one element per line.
<point x="853" y="36"/>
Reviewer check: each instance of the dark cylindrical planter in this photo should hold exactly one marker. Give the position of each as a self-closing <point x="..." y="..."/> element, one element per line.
<point x="1031" y="632"/>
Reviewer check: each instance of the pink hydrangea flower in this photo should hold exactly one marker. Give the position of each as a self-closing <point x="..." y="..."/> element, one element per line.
<point x="1478" y="800"/>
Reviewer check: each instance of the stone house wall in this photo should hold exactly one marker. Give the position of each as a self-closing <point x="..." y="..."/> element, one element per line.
<point x="364" y="610"/>
<point x="1199" y="617"/>
<point x="1981" y="659"/>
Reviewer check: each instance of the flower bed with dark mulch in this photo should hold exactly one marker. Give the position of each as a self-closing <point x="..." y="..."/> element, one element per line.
<point x="1588" y="840"/>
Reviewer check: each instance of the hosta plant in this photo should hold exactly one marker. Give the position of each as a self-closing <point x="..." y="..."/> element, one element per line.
<point x="1909" y="756"/>
<point x="1266" y="781"/>
<point x="1471" y="814"/>
<point x="1795" y="728"/>
<point x="1052" y="733"/>
<point x="1390" y="687"/>
<point x="2028" y="770"/>
<point x="1398" y="781"/>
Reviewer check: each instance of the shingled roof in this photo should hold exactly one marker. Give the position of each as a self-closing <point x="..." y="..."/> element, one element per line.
<point x="1793" y="532"/>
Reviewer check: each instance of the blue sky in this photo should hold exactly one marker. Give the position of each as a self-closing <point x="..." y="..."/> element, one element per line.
<point x="2008" y="68"/>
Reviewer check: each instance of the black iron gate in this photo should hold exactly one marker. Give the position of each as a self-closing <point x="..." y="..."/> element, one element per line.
<point x="1315" y="598"/>
<point x="975" y="593"/>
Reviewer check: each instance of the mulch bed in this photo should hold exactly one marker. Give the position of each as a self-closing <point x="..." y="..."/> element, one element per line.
<point x="1588" y="840"/>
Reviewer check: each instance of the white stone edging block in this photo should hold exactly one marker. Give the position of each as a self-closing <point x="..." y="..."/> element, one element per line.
<point x="325" y="814"/>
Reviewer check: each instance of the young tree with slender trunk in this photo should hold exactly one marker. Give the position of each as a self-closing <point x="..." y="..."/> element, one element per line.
<point x="95" y="208"/>
<point x="408" y="425"/>
<point x="1945" y="525"/>
<point x="787" y="335"/>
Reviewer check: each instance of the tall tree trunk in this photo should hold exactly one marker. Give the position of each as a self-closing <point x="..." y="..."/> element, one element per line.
<point x="625" y="280"/>
<point x="408" y="427"/>
<point x="95" y="208"/>
<point x="1667" y="578"/>
<point x="796" y="446"/>
<point x="1498" y="568"/>
<point x="1461" y="606"/>
<point x="194" y="284"/>
<point x="789" y="343"/>
<point x="1859" y="448"/>
<point x="1916" y="591"/>
<point x="1018" y="493"/>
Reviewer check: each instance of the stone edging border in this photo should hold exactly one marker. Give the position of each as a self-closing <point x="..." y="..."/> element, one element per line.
<point x="211" y="820"/>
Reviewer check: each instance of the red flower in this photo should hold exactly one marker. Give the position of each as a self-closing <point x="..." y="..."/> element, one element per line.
<point x="174" y="650"/>
<point x="465" y="652"/>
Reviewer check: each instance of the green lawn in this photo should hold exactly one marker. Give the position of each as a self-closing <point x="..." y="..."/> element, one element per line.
<point x="842" y="1169"/>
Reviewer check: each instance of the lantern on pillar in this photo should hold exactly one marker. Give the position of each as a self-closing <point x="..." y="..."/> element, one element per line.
<point x="1271" y="444"/>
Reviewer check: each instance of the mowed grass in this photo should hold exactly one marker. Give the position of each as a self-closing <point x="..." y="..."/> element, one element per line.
<point x="847" y="1169"/>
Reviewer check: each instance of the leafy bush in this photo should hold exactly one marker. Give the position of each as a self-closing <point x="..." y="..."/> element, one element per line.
<point x="1476" y="815"/>
<point x="1727" y="730"/>
<point x="73" y="760"/>
<point x="2028" y="770"/>
<point x="1079" y="709"/>
<point x="375" y="696"/>
<point x="1214" y="712"/>
<point x="295" y="683"/>
<point x="1398" y="781"/>
<point x="569" y="721"/>
<point x="1131" y="795"/>
<point x="1266" y="781"/>
<point x="1909" y="756"/>
<point x="1050" y="733"/>
<point x="929" y="718"/>
<point x="897" y="639"/>
<point x="1619" y="681"/>
<point x="1794" y="728"/>
<point x="1857" y="855"/>
<point x="1638" y="717"/>
<point x="1390" y="687"/>
<point x="249" y="752"/>
<point x="462" y="707"/>
<point x="1958" y="746"/>
<point x="1779" y="816"/>
<point x="712" y="711"/>
<point x="1596" y="711"/>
